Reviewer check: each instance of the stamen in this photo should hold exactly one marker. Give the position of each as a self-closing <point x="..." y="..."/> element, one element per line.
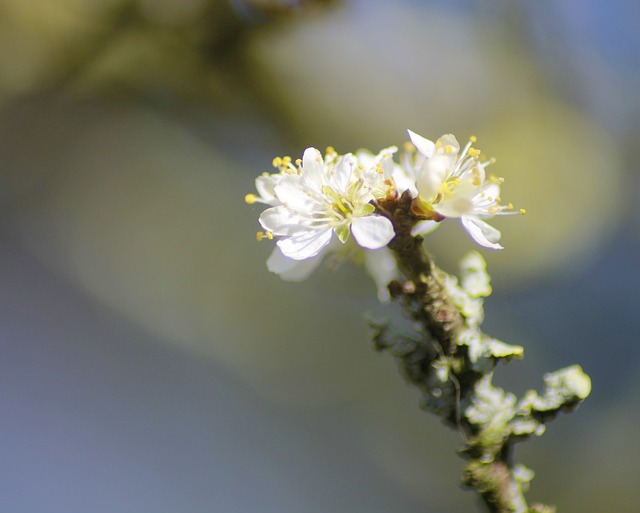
<point x="276" y="162"/>
<point x="250" y="199"/>
<point x="264" y="235"/>
<point x="523" y="211"/>
<point x="467" y="149"/>
<point x="338" y="204"/>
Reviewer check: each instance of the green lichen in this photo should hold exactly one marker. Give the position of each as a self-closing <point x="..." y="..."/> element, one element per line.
<point x="452" y="361"/>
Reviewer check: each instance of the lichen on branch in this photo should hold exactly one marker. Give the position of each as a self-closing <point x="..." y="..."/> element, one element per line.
<point x="452" y="361"/>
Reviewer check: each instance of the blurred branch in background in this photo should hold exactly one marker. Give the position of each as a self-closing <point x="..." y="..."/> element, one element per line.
<point x="184" y="48"/>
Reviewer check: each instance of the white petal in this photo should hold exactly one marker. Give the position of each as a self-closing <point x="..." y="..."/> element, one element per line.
<point x="385" y="159"/>
<point x="405" y="180"/>
<point x="382" y="267"/>
<point x="424" y="227"/>
<point x="372" y="232"/>
<point x="292" y="270"/>
<point x="483" y="233"/>
<point x="264" y="186"/>
<point x="292" y="191"/>
<point x="280" y="221"/>
<point x="305" y="244"/>
<point x="424" y="146"/>
<point x="431" y="176"/>
<point x="448" y="140"/>
<point x="461" y="202"/>
<point x="366" y="158"/>
<point x="313" y="166"/>
<point x="343" y="172"/>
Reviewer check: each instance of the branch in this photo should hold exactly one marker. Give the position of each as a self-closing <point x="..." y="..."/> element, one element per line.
<point x="452" y="361"/>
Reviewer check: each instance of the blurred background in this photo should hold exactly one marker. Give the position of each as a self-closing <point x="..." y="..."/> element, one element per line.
<point x="150" y="362"/>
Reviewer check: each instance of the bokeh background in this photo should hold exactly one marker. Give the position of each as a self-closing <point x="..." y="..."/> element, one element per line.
<point x="148" y="360"/>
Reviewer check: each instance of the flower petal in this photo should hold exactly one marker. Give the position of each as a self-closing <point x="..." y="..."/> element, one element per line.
<point x="382" y="267"/>
<point x="265" y="187"/>
<point x="343" y="173"/>
<point x="385" y="159"/>
<point x="372" y="232"/>
<point x="424" y="146"/>
<point x="460" y="201"/>
<point x="448" y="145"/>
<point x="431" y="176"/>
<point x="280" y="221"/>
<point x="292" y="191"/>
<point x="483" y="233"/>
<point x="424" y="227"/>
<point x="307" y="243"/>
<point x="313" y="166"/>
<point x="405" y="180"/>
<point x="292" y="270"/>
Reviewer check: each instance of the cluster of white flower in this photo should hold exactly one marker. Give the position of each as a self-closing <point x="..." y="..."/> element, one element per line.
<point x="450" y="183"/>
<point x="317" y="203"/>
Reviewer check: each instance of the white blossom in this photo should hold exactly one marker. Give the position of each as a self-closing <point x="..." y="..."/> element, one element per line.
<point x="311" y="200"/>
<point x="453" y="183"/>
<point x="318" y="198"/>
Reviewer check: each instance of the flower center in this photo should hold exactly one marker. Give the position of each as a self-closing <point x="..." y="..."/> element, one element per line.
<point x="338" y="204"/>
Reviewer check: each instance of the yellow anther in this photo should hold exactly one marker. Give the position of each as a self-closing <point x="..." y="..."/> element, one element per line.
<point x="510" y="206"/>
<point x="492" y="160"/>
<point x="286" y="161"/>
<point x="448" y="148"/>
<point x="298" y="162"/>
<point x="523" y="211"/>
<point x="473" y="139"/>
<point x="250" y="198"/>
<point x="408" y="146"/>
<point x="330" y="150"/>
<point x="264" y="235"/>
<point x="276" y="162"/>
